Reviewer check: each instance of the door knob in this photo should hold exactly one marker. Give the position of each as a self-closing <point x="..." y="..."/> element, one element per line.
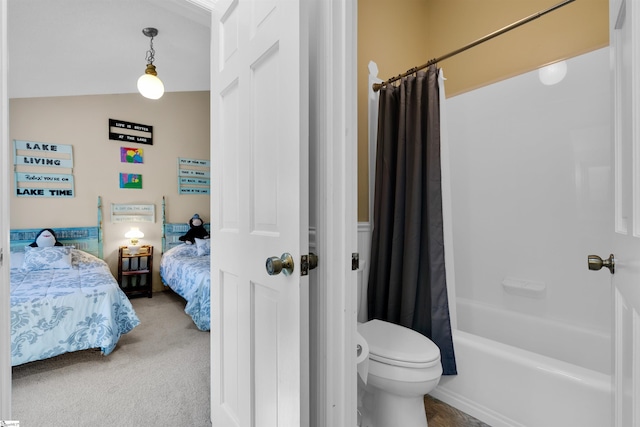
<point x="596" y="263"/>
<point x="283" y="264"/>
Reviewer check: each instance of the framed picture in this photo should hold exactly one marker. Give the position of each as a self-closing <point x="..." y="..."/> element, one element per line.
<point x="131" y="180"/>
<point x="131" y="155"/>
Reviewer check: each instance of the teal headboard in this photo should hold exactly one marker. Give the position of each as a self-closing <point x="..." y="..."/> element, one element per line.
<point x="172" y="231"/>
<point x="83" y="238"/>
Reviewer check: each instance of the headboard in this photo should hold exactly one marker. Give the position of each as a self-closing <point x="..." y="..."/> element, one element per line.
<point x="171" y="232"/>
<point x="87" y="239"/>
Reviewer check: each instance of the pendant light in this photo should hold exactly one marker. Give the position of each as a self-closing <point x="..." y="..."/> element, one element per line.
<point x="149" y="85"/>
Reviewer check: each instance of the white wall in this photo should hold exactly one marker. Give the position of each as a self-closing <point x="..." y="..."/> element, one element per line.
<point x="181" y="126"/>
<point x="531" y="191"/>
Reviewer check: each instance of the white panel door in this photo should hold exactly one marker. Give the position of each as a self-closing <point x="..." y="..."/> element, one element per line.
<point x="624" y="16"/>
<point x="259" y="210"/>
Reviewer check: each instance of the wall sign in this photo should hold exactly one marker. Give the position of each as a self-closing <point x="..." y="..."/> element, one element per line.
<point x="122" y="131"/>
<point x="42" y="154"/>
<point x="133" y="213"/>
<point x="194" y="176"/>
<point x="33" y="159"/>
<point x="42" y="179"/>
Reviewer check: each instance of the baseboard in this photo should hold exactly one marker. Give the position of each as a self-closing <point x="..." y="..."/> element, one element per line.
<point x="486" y="415"/>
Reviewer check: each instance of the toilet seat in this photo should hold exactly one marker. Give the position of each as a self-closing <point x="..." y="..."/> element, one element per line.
<point x="399" y="346"/>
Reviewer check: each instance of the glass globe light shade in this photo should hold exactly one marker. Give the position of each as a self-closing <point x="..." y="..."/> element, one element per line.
<point x="553" y="73"/>
<point x="150" y="86"/>
<point x="135" y="235"/>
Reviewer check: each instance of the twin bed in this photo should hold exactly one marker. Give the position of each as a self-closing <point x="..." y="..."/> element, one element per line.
<point x="186" y="270"/>
<point x="64" y="298"/>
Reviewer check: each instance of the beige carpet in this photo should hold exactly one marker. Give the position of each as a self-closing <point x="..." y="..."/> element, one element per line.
<point x="158" y="375"/>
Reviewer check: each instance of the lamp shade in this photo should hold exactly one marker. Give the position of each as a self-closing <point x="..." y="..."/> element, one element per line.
<point x="134" y="234"/>
<point x="150" y="86"/>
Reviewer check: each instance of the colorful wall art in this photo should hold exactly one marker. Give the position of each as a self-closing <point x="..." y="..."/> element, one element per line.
<point x="131" y="155"/>
<point x="131" y="180"/>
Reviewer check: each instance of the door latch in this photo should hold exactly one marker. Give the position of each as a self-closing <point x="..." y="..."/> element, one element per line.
<point x="308" y="262"/>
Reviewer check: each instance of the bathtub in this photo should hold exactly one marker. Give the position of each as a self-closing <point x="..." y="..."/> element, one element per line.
<point x="508" y="386"/>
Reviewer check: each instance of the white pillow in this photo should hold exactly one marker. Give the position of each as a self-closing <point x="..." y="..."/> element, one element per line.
<point x="183" y="250"/>
<point x="16" y="259"/>
<point x="203" y="246"/>
<point x="53" y="257"/>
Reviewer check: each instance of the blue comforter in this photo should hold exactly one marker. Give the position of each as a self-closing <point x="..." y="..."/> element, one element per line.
<point x="54" y="311"/>
<point x="189" y="276"/>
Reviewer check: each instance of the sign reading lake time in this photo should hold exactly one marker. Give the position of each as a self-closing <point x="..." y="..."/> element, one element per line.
<point x="120" y="130"/>
<point x="33" y="160"/>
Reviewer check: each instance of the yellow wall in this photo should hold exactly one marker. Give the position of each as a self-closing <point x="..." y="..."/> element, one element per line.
<point x="399" y="35"/>
<point x="180" y="129"/>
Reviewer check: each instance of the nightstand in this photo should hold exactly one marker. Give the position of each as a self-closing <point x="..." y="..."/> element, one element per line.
<point x="135" y="271"/>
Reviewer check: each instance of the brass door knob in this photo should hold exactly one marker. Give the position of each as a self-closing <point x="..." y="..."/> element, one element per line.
<point x="596" y="263"/>
<point x="277" y="265"/>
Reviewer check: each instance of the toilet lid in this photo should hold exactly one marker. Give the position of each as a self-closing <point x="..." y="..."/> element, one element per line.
<point x="395" y="344"/>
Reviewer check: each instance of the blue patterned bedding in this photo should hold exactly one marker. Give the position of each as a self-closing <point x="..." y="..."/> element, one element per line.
<point x="187" y="273"/>
<point x="76" y="305"/>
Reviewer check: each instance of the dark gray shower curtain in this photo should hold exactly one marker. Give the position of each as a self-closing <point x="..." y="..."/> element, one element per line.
<point x="407" y="283"/>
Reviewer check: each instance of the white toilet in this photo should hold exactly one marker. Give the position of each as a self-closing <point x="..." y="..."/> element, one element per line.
<point x="404" y="365"/>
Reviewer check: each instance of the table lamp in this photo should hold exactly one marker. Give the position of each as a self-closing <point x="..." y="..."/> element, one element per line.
<point x="134" y="235"/>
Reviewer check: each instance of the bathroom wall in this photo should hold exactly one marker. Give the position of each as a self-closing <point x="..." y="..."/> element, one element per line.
<point x="531" y="193"/>
<point x="401" y="35"/>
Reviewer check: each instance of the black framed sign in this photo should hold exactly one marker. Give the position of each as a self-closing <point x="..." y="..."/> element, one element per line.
<point x="122" y="131"/>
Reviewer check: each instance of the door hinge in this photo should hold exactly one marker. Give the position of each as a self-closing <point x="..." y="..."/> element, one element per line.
<point x="355" y="261"/>
<point x="308" y="262"/>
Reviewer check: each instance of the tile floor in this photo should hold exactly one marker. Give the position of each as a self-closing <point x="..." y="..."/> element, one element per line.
<point x="439" y="414"/>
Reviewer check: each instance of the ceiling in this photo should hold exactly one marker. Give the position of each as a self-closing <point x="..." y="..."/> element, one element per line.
<point x="92" y="47"/>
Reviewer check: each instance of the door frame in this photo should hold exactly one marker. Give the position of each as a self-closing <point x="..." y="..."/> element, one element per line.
<point x="333" y="198"/>
<point x="5" y="320"/>
<point x="334" y="398"/>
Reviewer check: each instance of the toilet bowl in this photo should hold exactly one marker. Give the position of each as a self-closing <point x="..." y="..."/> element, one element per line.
<point x="404" y="365"/>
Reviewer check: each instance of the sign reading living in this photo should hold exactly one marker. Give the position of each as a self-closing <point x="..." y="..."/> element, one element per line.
<point x="122" y="131"/>
<point x="33" y="162"/>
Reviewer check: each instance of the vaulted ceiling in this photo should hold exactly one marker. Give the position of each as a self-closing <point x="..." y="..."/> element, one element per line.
<point x="90" y="47"/>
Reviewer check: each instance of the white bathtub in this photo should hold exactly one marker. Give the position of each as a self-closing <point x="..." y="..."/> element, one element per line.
<point x="507" y="386"/>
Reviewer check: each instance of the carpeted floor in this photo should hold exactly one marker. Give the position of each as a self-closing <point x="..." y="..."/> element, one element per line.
<point x="157" y="375"/>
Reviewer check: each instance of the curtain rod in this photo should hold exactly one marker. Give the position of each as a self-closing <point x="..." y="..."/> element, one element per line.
<point x="378" y="86"/>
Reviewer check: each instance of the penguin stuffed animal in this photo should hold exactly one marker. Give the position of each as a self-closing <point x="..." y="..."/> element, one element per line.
<point x="196" y="231"/>
<point x="46" y="238"/>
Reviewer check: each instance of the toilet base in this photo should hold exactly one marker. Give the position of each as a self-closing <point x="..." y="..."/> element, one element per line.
<point x="382" y="409"/>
